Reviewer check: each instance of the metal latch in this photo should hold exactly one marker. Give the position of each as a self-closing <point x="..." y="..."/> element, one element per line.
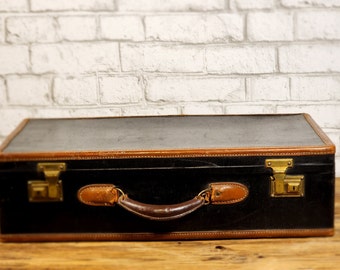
<point x="50" y="190"/>
<point x="283" y="185"/>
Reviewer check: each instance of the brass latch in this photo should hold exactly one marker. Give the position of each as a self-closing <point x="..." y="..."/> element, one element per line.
<point x="283" y="185"/>
<point x="50" y="190"/>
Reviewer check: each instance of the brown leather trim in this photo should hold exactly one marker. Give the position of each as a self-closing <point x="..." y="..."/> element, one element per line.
<point x="62" y="237"/>
<point x="228" y="193"/>
<point x="323" y="136"/>
<point x="98" y="195"/>
<point x="180" y="153"/>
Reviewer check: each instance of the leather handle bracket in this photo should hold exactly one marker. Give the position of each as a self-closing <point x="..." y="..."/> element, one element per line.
<point x="109" y="195"/>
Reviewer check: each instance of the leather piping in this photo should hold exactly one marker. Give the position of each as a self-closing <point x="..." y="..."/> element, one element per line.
<point x="199" y="235"/>
<point x="328" y="148"/>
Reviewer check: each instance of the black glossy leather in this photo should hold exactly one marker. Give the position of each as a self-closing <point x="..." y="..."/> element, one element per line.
<point x="168" y="181"/>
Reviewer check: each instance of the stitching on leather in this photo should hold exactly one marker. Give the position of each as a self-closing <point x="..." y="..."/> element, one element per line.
<point x="122" y="156"/>
<point x="91" y="187"/>
<point x="170" y="236"/>
<point x="235" y="200"/>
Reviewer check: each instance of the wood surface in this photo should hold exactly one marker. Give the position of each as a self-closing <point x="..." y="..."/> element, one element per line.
<point x="289" y="253"/>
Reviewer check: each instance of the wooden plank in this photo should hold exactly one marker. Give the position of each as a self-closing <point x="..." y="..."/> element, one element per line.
<point x="289" y="253"/>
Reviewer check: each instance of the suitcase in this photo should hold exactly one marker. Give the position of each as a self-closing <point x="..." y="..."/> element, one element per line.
<point x="167" y="178"/>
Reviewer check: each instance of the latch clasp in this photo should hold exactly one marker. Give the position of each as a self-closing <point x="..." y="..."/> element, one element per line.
<point x="283" y="185"/>
<point x="50" y="190"/>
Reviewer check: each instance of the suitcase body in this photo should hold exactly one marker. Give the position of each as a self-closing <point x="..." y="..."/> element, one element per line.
<point x="167" y="178"/>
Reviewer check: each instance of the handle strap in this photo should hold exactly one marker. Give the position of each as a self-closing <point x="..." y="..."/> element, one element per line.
<point x="109" y="195"/>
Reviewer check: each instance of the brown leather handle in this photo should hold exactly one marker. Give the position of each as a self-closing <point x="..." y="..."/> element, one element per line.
<point x="109" y="195"/>
<point x="161" y="212"/>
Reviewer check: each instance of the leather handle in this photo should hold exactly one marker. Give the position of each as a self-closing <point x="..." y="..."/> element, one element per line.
<point x="160" y="212"/>
<point x="109" y="195"/>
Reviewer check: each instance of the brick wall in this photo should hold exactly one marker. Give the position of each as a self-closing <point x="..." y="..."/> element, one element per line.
<point x="61" y="58"/>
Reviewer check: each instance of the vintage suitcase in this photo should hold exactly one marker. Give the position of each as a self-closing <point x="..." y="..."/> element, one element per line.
<point x="167" y="177"/>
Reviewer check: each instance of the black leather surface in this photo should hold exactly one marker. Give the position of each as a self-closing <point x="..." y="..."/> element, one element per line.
<point x="169" y="181"/>
<point x="189" y="132"/>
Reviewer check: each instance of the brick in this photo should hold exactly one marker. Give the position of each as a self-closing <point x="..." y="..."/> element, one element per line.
<point x="167" y="58"/>
<point x="311" y="3"/>
<point x="10" y="118"/>
<point x="170" y="5"/>
<point x="337" y="166"/>
<point x="250" y="108"/>
<point x="63" y="5"/>
<point x="150" y="110"/>
<point x="75" y="57"/>
<point x="174" y="89"/>
<point x="2" y="30"/>
<point x="251" y="4"/>
<point x="334" y="136"/>
<point x="13" y="5"/>
<point x="199" y="109"/>
<point x="29" y="90"/>
<point x="273" y="26"/>
<point x="120" y="90"/>
<point x="2" y="92"/>
<point x="269" y="88"/>
<point x="318" y="25"/>
<point x="240" y="60"/>
<point x="327" y="116"/>
<point x="14" y="59"/>
<point x="315" y="88"/>
<point x="122" y="28"/>
<point x="77" y="28"/>
<point x="309" y="58"/>
<point x="95" y="112"/>
<point x="31" y="29"/>
<point x="195" y="28"/>
<point x="75" y="91"/>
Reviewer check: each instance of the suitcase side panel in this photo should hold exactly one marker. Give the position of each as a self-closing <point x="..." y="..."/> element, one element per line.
<point x="167" y="181"/>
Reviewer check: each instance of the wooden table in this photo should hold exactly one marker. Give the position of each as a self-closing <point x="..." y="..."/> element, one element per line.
<point x="298" y="253"/>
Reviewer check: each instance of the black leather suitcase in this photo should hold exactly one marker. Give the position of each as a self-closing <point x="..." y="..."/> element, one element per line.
<point x="167" y="178"/>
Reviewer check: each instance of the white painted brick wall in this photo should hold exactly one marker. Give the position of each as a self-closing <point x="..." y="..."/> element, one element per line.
<point x="31" y="29"/>
<point x="170" y="5"/>
<point x="251" y="4"/>
<point x="77" y="28"/>
<point x="195" y="28"/>
<point x="310" y="58"/>
<point x="75" y="91"/>
<point x="13" y="5"/>
<point x="117" y="90"/>
<point x="269" y="88"/>
<point x="28" y="90"/>
<point x="14" y="59"/>
<point x="75" y="57"/>
<point x="86" y="58"/>
<point x="318" y="25"/>
<point x="160" y="89"/>
<point x="122" y="28"/>
<point x="77" y="5"/>
<point x="264" y="26"/>
<point x="162" y="58"/>
<point x="240" y="59"/>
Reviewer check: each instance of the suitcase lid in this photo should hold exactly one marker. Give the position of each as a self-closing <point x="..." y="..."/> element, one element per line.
<point x="166" y="136"/>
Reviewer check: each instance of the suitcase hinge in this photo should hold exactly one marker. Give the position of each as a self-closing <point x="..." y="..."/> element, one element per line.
<point x="283" y="185"/>
<point x="51" y="189"/>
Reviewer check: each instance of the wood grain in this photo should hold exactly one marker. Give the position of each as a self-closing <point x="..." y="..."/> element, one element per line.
<point x="290" y="253"/>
